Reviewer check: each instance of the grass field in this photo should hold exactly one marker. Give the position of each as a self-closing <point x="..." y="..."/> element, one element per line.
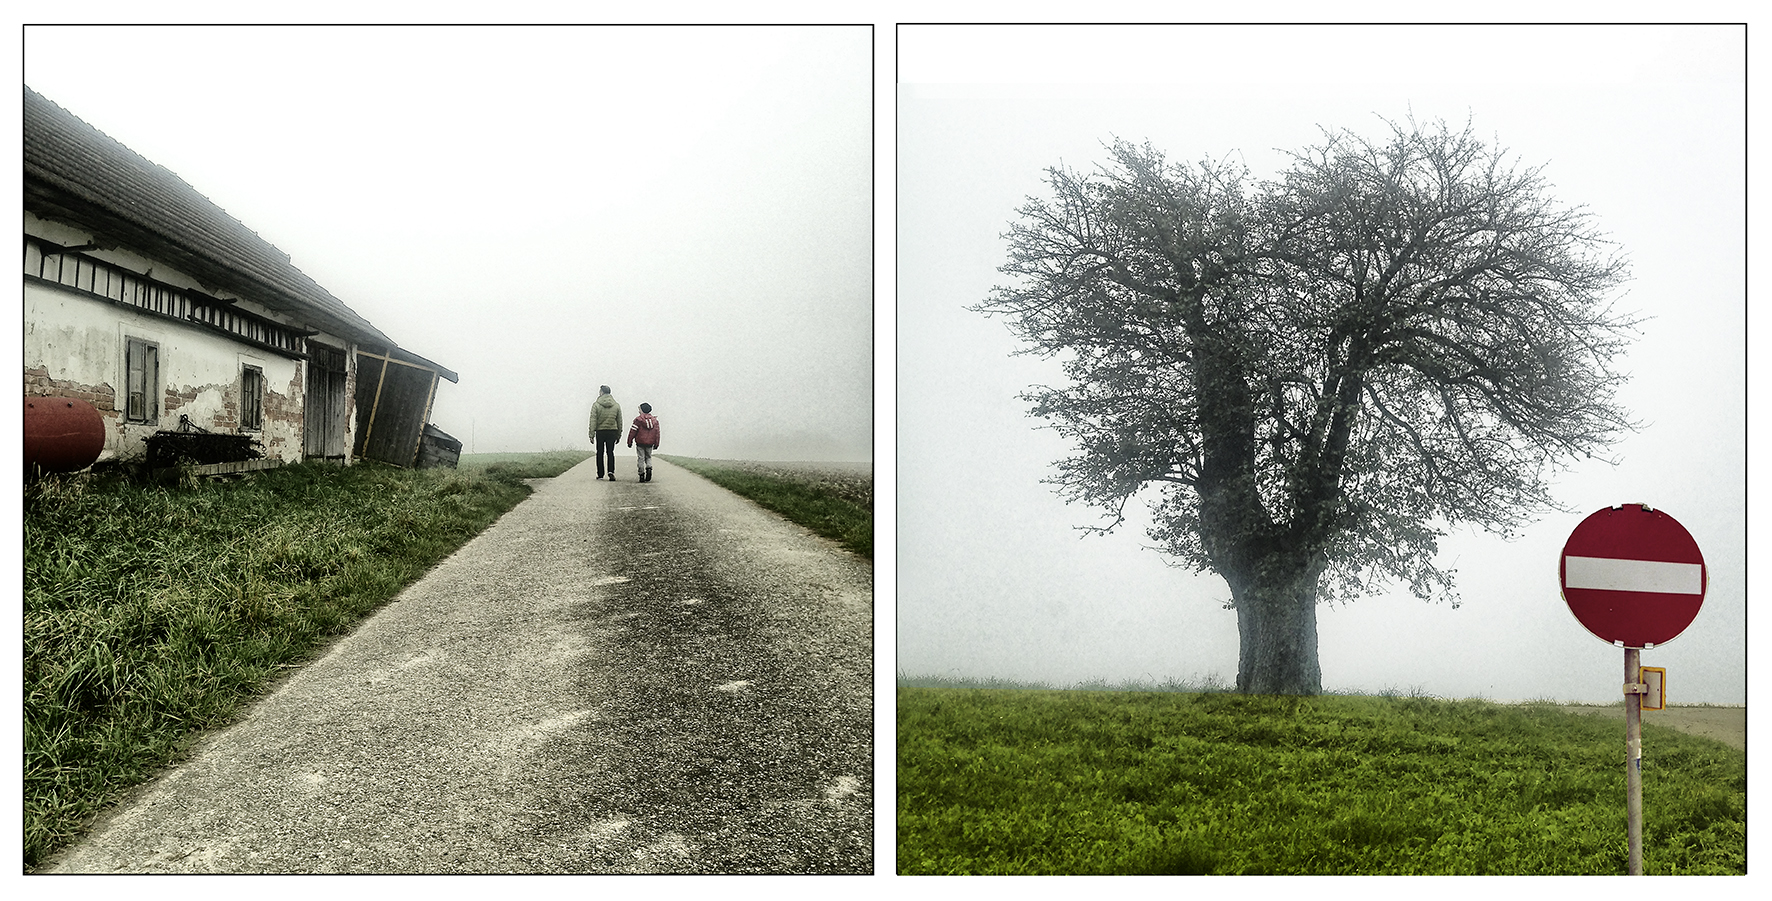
<point x="152" y="614"/>
<point x="832" y="499"/>
<point x="1018" y="780"/>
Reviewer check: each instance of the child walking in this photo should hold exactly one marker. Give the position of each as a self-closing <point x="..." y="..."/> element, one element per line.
<point x="644" y="432"/>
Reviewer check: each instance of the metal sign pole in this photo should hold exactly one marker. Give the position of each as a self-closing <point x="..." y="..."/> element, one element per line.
<point x="1633" y="756"/>
<point x="1635" y="579"/>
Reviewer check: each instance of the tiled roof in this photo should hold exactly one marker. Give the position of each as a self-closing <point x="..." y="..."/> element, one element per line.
<point x="79" y="174"/>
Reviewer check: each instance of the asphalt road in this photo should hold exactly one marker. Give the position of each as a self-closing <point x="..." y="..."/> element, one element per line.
<point x="616" y="677"/>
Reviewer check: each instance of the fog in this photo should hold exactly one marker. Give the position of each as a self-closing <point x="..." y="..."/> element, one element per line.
<point x="681" y="213"/>
<point x="685" y="215"/>
<point x="1644" y="126"/>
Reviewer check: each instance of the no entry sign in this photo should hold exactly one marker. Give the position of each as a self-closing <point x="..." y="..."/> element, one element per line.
<point x="1633" y="576"/>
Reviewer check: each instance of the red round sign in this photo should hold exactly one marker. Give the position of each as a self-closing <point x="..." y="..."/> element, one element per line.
<point x="1633" y="576"/>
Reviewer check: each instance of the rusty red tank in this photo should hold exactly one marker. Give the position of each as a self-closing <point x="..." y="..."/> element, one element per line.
<point x="62" y="434"/>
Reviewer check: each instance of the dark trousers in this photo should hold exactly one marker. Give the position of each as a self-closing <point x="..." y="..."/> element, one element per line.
<point x="607" y="439"/>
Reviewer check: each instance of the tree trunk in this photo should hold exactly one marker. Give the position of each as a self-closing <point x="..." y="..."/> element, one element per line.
<point x="1277" y="635"/>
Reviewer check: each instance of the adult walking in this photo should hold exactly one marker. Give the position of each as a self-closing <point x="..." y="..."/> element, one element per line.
<point x="606" y="424"/>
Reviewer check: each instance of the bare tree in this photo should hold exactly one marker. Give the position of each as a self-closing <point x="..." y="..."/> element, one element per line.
<point x="1324" y="372"/>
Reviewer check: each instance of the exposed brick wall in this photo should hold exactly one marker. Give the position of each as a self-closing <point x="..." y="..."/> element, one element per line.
<point x="286" y="409"/>
<point x="38" y="383"/>
<point x="283" y="411"/>
<point x="172" y="400"/>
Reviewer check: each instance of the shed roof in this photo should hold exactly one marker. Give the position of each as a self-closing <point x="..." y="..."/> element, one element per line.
<point x="77" y="173"/>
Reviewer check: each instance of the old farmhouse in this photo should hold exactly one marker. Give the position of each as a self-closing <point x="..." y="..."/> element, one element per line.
<point x="151" y="303"/>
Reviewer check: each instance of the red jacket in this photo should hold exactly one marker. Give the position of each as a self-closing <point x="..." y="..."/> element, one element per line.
<point x="644" y="430"/>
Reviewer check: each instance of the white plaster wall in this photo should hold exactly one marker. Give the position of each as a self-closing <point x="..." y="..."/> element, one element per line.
<point x="71" y="337"/>
<point x="80" y="340"/>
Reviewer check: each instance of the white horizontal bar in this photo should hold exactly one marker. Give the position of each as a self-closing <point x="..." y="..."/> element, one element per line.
<point x="1611" y="574"/>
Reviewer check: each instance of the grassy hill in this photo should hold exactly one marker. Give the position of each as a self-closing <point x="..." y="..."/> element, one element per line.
<point x="1043" y="781"/>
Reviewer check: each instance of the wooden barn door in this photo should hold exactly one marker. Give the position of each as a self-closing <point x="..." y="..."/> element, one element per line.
<point x="323" y="415"/>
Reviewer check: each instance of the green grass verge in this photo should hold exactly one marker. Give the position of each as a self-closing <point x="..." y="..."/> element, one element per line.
<point x="153" y="614"/>
<point x="543" y="465"/>
<point x="1093" y="782"/>
<point x="832" y="503"/>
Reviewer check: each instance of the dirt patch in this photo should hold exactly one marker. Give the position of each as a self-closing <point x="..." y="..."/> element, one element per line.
<point x="1725" y="724"/>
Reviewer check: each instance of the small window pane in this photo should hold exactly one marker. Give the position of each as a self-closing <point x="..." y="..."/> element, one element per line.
<point x="252" y="381"/>
<point x="141" y="381"/>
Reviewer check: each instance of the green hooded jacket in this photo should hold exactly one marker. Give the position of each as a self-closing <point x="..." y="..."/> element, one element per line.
<point x="605" y="414"/>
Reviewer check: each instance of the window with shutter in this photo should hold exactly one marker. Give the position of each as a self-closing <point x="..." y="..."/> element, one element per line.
<point x="252" y="398"/>
<point x="142" y="382"/>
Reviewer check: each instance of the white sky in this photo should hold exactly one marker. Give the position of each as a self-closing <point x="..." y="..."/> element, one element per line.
<point x="681" y="213"/>
<point x="1643" y="125"/>
<point x="694" y="230"/>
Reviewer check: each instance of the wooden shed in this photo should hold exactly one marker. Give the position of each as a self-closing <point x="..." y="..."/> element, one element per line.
<point x="395" y="390"/>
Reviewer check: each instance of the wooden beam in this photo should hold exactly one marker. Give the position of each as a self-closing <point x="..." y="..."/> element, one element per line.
<point x="374" y="407"/>
<point x="390" y="359"/>
<point x="425" y="420"/>
<point x="210" y="469"/>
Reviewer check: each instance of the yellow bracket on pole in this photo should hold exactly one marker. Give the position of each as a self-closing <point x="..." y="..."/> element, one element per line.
<point x="1655" y="687"/>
